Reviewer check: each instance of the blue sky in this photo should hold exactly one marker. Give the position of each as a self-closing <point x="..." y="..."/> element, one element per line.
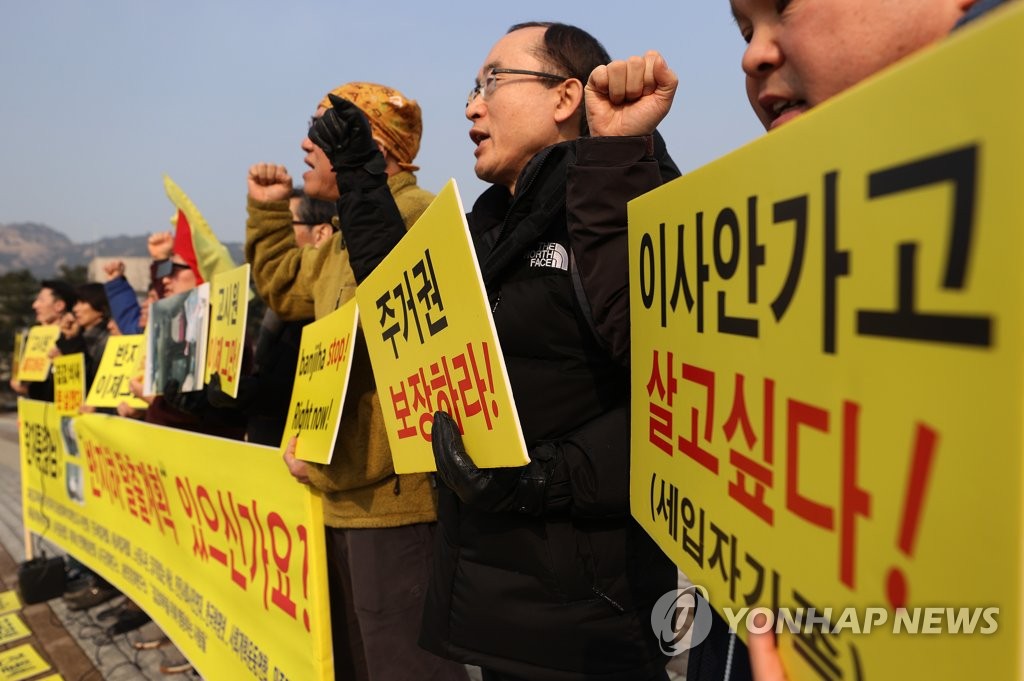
<point x="98" y="99"/>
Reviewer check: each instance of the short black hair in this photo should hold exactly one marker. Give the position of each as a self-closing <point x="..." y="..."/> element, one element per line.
<point x="61" y="290"/>
<point x="317" y="211"/>
<point x="570" y="51"/>
<point x="96" y="296"/>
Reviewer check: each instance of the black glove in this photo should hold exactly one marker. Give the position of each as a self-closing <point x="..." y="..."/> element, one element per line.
<point x="219" y="399"/>
<point x="522" y="489"/>
<point x="191" y="402"/>
<point x="343" y="132"/>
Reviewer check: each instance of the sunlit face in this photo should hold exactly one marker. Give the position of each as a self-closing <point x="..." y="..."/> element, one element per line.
<point x="48" y="307"/>
<point x="802" y="52"/>
<point x="86" y="315"/>
<point x="319" y="181"/>
<point x="181" y="279"/>
<point x="518" y="119"/>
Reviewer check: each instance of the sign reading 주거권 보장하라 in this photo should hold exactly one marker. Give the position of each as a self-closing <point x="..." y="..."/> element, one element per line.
<point x="321" y="381"/>
<point x="827" y="371"/>
<point x="433" y="345"/>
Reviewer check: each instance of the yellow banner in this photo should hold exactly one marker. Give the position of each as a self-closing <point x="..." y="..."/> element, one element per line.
<point x="20" y="663"/>
<point x="229" y="302"/>
<point x="198" y="530"/>
<point x="827" y="364"/>
<point x="433" y="346"/>
<point x="35" y="361"/>
<point x="12" y="628"/>
<point x="123" y="359"/>
<point x="68" y="383"/>
<point x="321" y="380"/>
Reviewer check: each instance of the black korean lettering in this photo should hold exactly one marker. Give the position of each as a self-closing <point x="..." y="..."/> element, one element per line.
<point x="837" y="263"/>
<point x="791" y="210"/>
<point x="958" y="168"/>
<point x="728" y="222"/>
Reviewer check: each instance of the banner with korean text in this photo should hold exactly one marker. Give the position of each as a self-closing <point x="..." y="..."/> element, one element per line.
<point x="433" y="345"/>
<point x="229" y="301"/>
<point x="123" y="361"/>
<point x="827" y="371"/>
<point x="35" y="359"/>
<point x="69" y="383"/>
<point x="209" y="536"/>
<point x="321" y="381"/>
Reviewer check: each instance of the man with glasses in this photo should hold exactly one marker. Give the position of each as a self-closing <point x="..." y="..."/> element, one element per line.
<point x="540" y="572"/>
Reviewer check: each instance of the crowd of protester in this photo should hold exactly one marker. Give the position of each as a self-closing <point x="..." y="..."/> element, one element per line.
<point x="536" y="572"/>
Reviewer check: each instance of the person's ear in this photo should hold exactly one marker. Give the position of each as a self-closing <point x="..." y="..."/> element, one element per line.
<point x="570" y="100"/>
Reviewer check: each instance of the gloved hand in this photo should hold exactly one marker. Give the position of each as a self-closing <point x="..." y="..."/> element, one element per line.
<point x="343" y="132"/>
<point x="191" y="402"/>
<point x="215" y="395"/>
<point x="521" y="489"/>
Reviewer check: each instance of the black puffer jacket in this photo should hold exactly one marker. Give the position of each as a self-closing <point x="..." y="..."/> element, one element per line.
<point x="566" y="595"/>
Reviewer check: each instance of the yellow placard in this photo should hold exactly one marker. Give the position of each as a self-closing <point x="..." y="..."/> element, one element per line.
<point x="20" y="663"/>
<point x="229" y="301"/>
<point x="207" y="535"/>
<point x="35" y="361"/>
<point x="68" y="383"/>
<point x="321" y="380"/>
<point x="827" y="365"/>
<point x="20" y="339"/>
<point x="9" y="601"/>
<point x="12" y="628"/>
<point x="122" y="361"/>
<point x="433" y="346"/>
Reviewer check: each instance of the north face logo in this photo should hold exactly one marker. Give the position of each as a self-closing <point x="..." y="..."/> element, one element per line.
<point x="550" y="255"/>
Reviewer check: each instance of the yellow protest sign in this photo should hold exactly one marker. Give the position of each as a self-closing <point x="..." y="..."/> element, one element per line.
<point x="68" y="383"/>
<point x="35" y="361"/>
<point x="321" y="380"/>
<point x="20" y="663"/>
<point x="122" y="361"/>
<point x="12" y="628"/>
<point x="198" y="530"/>
<point x="433" y="346"/>
<point x="826" y="371"/>
<point x="229" y="301"/>
<point x="9" y="601"/>
<point x="20" y="339"/>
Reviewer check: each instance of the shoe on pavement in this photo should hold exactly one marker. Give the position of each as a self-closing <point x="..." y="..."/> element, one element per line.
<point x="91" y="597"/>
<point x="128" y="620"/>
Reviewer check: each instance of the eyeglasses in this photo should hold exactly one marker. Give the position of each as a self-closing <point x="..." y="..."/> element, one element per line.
<point x="491" y="81"/>
<point x="168" y="268"/>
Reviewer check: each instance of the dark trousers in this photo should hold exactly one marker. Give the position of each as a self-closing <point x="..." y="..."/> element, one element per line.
<point x="488" y="675"/>
<point x="377" y="605"/>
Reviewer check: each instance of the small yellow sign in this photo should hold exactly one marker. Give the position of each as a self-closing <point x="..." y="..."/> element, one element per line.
<point x="321" y="380"/>
<point x="35" y="362"/>
<point x="433" y="345"/>
<point x="69" y="383"/>
<point x="12" y="628"/>
<point x="20" y="340"/>
<point x="9" y="601"/>
<point x="122" y="361"/>
<point x="20" y="663"/>
<point x="229" y="300"/>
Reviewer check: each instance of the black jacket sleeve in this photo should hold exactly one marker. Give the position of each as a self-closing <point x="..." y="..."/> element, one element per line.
<point x="608" y="173"/>
<point x="370" y="220"/>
